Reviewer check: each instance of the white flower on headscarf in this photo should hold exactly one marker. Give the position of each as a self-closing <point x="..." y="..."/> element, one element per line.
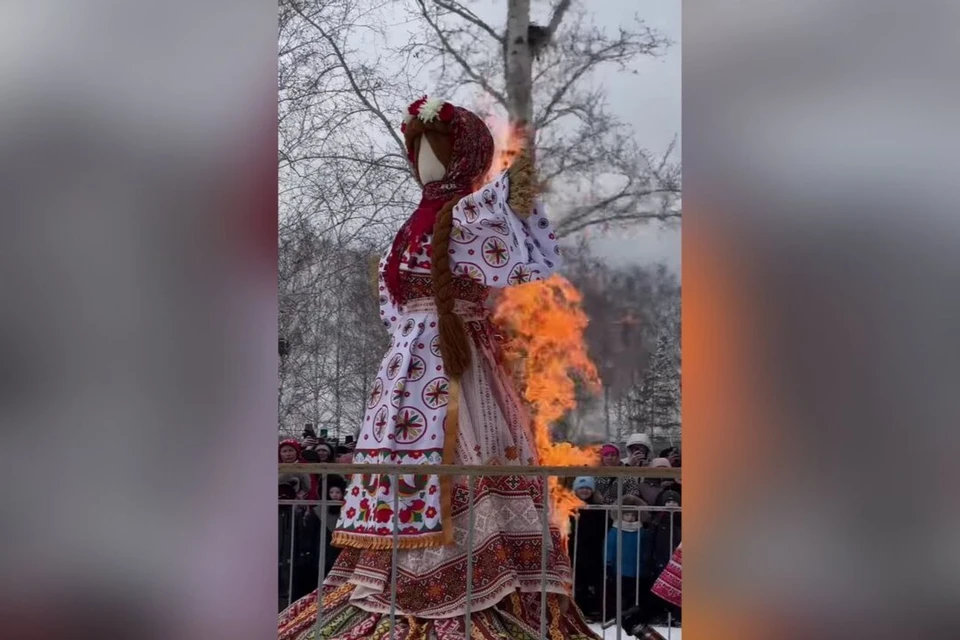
<point x="429" y="109"/>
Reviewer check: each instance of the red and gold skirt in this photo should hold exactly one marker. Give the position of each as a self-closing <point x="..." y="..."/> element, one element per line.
<point x="670" y="581"/>
<point x="516" y="617"/>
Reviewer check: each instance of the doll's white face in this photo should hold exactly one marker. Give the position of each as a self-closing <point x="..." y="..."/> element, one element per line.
<point x="430" y="168"/>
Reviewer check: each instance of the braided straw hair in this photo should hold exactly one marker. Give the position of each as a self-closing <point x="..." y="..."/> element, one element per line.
<point x="454" y="342"/>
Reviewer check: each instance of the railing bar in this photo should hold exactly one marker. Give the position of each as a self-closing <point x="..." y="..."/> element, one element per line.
<point x="606" y="541"/>
<point x="586" y="507"/>
<point x="618" y="556"/>
<point x="484" y="470"/>
<point x="471" y="518"/>
<point x="576" y="549"/>
<point x="293" y="533"/>
<point x="323" y="551"/>
<point x="670" y="610"/>
<point x="394" y="480"/>
<point x="545" y="521"/>
<point x="636" y="587"/>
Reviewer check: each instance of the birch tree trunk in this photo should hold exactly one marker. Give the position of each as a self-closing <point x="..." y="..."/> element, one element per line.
<point x="519" y="66"/>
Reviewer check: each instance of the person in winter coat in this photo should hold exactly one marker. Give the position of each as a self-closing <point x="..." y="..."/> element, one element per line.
<point x="306" y="546"/>
<point x="335" y="489"/>
<point x="639" y="449"/>
<point x="315" y="530"/>
<point x="324" y="452"/>
<point x="653" y="607"/>
<point x="628" y="558"/>
<point x="606" y="486"/>
<point x="672" y="454"/>
<point x="650" y="488"/>
<point x="587" y="529"/>
<point x="288" y="451"/>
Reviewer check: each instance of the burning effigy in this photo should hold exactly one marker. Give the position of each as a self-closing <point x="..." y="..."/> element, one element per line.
<point x="446" y="394"/>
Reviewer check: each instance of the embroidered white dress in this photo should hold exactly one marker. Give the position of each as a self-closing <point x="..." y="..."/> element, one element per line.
<point x="404" y="424"/>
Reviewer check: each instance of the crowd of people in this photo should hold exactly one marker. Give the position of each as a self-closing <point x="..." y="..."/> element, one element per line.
<point x="305" y="529"/>
<point x="633" y="545"/>
<point x="647" y="530"/>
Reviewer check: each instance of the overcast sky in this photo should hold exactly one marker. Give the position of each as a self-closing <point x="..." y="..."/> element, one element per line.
<point x="650" y="101"/>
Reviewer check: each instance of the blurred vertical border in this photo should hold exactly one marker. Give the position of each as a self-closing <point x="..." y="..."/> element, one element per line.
<point x="139" y="319"/>
<point x="820" y="280"/>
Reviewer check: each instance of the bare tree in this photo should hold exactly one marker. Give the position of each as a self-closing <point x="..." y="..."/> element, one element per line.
<point x="342" y="164"/>
<point x="328" y="317"/>
<point x="598" y="173"/>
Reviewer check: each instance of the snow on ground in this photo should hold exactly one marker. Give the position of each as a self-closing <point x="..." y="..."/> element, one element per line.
<point x="670" y="633"/>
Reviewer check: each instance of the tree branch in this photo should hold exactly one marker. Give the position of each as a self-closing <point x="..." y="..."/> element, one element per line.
<point x="469" y="16"/>
<point x="576" y="225"/>
<point x="456" y="56"/>
<point x="557" y="17"/>
<point x="352" y="80"/>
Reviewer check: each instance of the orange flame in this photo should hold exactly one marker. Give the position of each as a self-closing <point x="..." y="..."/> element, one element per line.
<point x="546" y="350"/>
<point x="508" y="144"/>
<point x="547" y="353"/>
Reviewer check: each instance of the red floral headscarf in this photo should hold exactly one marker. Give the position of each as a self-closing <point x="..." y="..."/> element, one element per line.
<point x="470" y="159"/>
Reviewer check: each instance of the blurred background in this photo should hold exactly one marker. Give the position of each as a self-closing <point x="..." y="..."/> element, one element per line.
<point x="820" y="261"/>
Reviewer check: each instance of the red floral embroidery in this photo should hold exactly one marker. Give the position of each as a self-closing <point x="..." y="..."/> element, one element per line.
<point x="351" y="513"/>
<point x="431" y="512"/>
<point x="503" y="555"/>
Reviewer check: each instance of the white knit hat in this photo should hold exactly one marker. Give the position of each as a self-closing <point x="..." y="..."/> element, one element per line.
<point x="636" y="439"/>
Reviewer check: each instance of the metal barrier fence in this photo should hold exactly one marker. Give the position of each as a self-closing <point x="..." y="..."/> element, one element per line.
<point x="470" y="474"/>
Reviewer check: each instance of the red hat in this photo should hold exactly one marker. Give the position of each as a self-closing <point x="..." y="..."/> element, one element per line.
<point x="610" y="449"/>
<point x="289" y="442"/>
